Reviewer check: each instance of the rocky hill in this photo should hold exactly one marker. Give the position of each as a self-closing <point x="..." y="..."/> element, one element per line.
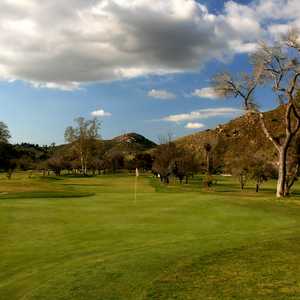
<point x="129" y="143"/>
<point x="240" y="137"/>
<point x="135" y="140"/>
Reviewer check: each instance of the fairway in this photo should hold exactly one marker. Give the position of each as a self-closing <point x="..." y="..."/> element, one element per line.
<point x="74" y="238"/>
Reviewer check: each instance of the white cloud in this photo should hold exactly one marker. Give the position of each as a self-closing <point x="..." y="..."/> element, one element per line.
<point x="206" y="92"/>
<point x="103" y="40"/>
<point x="161" y="94"/>
<point x="70" y="86"/>
<point x="203" y="114"/>
<point x="101" y="113"/>
<point x="191" y="125"/>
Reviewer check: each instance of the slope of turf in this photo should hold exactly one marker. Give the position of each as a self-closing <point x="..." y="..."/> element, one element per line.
<point x="94" y="241"/>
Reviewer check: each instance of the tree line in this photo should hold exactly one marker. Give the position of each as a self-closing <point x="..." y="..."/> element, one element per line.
<point x="86" y="154"/>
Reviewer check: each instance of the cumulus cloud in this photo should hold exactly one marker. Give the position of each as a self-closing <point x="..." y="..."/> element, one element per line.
<point x="203" y="114"/>
<point x="100" y="113"/>
<point x="58" y="44"/>
<point x="161" y="94"/>
<point x="191" y="125"/>
<point x="206" y="92"/>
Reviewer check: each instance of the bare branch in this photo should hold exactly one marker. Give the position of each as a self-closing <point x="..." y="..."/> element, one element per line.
<point x="270" y="65"/>
<point x="293" y="86"/>
<point x="288" y="119"/>
<point x="297" y="127"/>
<point x="294" y="177"/>
<point x="225" y="86"/>
<point x="267" y="132"/>
<point x="292" y="39"/>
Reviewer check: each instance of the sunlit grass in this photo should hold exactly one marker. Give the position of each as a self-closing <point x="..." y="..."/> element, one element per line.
<point x="87" y="238"/>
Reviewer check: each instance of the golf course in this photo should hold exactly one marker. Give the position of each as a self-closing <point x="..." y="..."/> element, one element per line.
<point x="70" y="237"/>
<point x="150" y="150"/>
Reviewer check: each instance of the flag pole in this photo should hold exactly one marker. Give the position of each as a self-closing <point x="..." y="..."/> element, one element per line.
<point x="135" y="183"/>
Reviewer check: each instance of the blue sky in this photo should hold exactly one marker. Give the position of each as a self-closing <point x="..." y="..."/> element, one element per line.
<point x="40" y="96"/>
<point x="40" y="115"/>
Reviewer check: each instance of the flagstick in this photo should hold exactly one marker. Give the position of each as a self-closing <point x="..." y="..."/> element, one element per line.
<point x="135" y="183"/>
<point x="135" y="188"/>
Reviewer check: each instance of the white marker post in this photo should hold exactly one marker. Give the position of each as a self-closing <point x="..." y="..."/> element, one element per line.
<point x="135" y="183"/>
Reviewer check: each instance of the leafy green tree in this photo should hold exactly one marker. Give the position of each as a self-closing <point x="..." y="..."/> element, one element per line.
<point x="4" y="133"/>
<point x="260" y="171"/>
<point x="8" y="157"/>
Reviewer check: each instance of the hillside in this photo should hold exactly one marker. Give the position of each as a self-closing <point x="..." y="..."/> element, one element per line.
<point x="128" y="143"/>
<point x="133" y="141"/>
<point x="240" y="137"/>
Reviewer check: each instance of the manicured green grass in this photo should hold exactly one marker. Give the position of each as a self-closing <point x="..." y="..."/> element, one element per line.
<point x="87" y="238"/>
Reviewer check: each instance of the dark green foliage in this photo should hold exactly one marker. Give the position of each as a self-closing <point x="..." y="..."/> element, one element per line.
<point x="143" y="161"/>
<point x="8" y="158"/>
<point x="260" y="171"/>
<point x="4" y="133"/>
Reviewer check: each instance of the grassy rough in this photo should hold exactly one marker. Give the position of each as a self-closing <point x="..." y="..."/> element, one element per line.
<point x="86" y="238"/>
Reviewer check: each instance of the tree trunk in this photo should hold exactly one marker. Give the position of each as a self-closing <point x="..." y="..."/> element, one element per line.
<point x="82" y="163"/>
<point x="281" y="172"/>
<point x="242" y="184"/>
<point x="9" y="174"/>
<point x="290" y="181"/>
<point x="257" y="188"/>
<point x="208" y="163"/>
<point x="282" y="149"/>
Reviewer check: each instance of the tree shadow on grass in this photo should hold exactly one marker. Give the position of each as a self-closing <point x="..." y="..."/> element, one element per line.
<point x="44" y="195"/>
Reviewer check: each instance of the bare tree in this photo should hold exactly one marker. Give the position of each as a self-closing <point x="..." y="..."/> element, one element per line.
<point x="185" y="165"/>
<point x="164" y="159"/>
<point x="276" y="66"/>
<point x="56" y="163"/>
<point x="83" y="137"/>
<point x="115" y="160"/>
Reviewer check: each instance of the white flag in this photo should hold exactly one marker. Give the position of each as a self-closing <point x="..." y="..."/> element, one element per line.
<point x="137" y="172"/>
